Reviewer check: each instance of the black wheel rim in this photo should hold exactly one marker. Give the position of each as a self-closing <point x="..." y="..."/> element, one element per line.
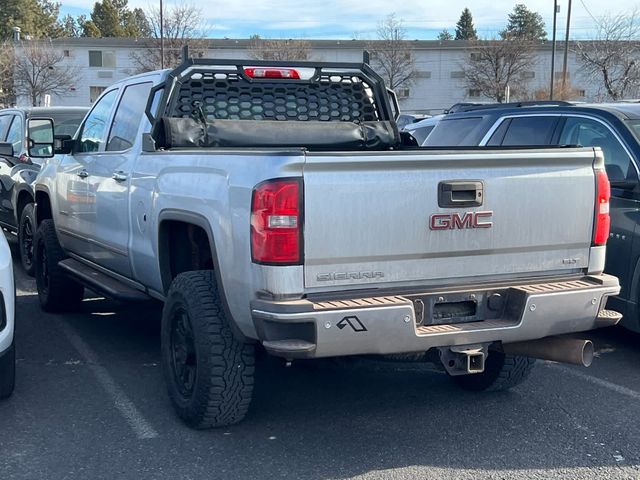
<point x="26" y="238"/>
<point x="183" y="353"/>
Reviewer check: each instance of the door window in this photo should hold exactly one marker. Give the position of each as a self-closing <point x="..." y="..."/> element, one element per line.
<point x="5" y="121"/>
<point x="95" y="126"/>
<point x="126" y="121"/>
<point x="533" y="130"/>
<point x="14" y="136"/>
<point x="587" y="132"/>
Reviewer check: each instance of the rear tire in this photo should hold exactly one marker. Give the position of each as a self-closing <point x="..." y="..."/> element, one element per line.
<point x="501" y="372"/>
<point x="8" y="371"/>
<point x="208" y="371"/>
<point x="26" y="233"/>
<point x="56" y="291"/>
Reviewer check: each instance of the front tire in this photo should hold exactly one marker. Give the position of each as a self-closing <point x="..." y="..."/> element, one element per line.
<point x="8" y="371"/>
<point x="26" y="232"/>
<point x="56" y="291"/>
<point x="208" y="371"/>
<point x="501" y="372"/>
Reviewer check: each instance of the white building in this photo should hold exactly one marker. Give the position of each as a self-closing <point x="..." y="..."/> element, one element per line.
<point x="438" y="84"/>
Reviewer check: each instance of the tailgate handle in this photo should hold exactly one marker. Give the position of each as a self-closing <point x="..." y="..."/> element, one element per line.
<point x="460" y="193"/>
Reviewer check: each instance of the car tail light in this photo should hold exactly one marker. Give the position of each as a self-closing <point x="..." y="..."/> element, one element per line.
<point x="602" y="219"/>
<point x="272" y="72"/>
<point x="276" y="222"/>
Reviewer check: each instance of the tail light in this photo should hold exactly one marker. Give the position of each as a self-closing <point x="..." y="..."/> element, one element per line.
<point x="602" y="220"/>
<point x="276" y="222"/>
<point x="272" y="72"/>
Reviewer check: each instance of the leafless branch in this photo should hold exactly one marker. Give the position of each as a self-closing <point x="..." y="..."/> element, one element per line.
<point x="495" y="64"/>
<point x="612" y="58"/>
<point x="37" y="72"/>
<point x="391" y="55"/>
<point x="279" y="50"/>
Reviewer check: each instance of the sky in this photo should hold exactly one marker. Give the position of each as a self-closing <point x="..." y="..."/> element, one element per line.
<point x="346" y="19"/>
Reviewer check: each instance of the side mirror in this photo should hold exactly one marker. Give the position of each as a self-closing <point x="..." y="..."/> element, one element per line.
<point x="6" y="149"/>
<point x="63" y="144"/>
<point x="40" y="137"/>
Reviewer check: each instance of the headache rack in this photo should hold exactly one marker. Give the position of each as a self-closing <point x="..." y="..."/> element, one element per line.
<point x="219" y="96"/>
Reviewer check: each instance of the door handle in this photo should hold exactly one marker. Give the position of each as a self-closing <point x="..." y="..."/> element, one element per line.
<point x="119" y="176"/>
<point x="83" y="173"/>
<point x="460" y="193"/>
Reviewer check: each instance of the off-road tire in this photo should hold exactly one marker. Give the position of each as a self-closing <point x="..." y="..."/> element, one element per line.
<point x="26" y="234"/>
<point x="8" y="371"/>
<point x="212" y="387"/>
<point x="56" y="291"/>
<point x="501" y="372"/>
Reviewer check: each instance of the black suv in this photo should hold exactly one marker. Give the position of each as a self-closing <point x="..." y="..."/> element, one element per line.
<point x="614" y="127"/>
<point x="18" y="171"/>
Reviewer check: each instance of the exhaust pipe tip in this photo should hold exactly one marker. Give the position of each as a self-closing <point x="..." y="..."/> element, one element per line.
<point x="588" y="352"/>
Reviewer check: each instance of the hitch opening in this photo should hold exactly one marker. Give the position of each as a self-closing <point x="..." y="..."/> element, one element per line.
<point x="463" y="360"/>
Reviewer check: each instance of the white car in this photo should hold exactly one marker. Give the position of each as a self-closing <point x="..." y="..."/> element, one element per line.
<point x="420" y="130"/>
<point x="7" y="312"/>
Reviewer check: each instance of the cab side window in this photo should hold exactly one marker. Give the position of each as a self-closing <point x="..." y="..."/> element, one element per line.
<point x="590" y="133"/>
<point x="5" y="121"/>
<point x="126" y="121"/>
<point x="15" y="135"/>
<point x="95" y="126"/>
<point x="531" y="130"/>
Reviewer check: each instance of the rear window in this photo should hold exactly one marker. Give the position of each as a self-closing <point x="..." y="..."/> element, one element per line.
<point x="453" y="133"/>
<point x="634" y="126"/>
<point x="530" y="131"/>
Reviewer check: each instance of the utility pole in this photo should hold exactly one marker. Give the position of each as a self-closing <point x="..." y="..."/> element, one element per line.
<point x="161" y="37"/>
<point x="566" y="49"/>
<point x="553" y="48"/>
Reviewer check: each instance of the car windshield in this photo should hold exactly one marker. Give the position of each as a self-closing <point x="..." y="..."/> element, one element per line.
<point x="66" y="123"/>
<point x="634" y="126"/>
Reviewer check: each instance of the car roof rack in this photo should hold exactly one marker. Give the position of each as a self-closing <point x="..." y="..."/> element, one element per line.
<point x="535" y="103"/>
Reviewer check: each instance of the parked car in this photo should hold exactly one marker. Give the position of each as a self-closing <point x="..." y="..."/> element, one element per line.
<point x="405" y="119"/>
<point x="275" y="205"/>
<point x="7" y="313"/>
<point x="18" y="169"/>
<point x="614" y="127"/>
<point x="420" y="130"/>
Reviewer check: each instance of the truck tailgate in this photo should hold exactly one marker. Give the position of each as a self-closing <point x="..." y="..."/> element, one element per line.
<point x="380" y="219"/>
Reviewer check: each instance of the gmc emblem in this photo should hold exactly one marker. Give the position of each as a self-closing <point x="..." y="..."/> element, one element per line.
<point x="460" y="221"/>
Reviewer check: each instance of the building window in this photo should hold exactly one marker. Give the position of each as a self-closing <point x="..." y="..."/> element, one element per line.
<point x="582" y="93"/>
<point x="475" y="56"/>
<point x="95" y="92"/>
<point x="403" y="92"/>
<point x="457" y="74"/>
<point x="558" y="75"/>
<point x="99" y="58"/>
<point x="474" y="92"/>
<point x="66" y="53"/>
<point x="528" y="75"/>
<point x="422" y="75"/>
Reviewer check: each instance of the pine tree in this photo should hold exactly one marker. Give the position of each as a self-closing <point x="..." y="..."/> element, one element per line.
<point x="524" y="23"/>
<point x="445" y="35"/>
<point x="36" y="18"/>
<point x="464" y="28"/>
<point x="112" y="18"/>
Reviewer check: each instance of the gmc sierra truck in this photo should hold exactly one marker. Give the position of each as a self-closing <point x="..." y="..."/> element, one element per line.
<point x="276" y="206"/>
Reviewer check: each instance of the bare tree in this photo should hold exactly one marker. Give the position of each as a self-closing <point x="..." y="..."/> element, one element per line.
<point x="38" y="71"/>
<point x="183" y="24"/>
<point x="613" y="56"/>
<point x="560" y="92"/>
<point x="493" y="65"/>
<point x="7" y="97"/>
<point x="391" y="53"/>
<point x="279" y="50"/>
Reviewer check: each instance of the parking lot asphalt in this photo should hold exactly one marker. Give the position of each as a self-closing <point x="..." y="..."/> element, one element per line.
<point x="90" y="403"/>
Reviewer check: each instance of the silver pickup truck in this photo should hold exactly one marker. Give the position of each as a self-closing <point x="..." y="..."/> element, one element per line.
<point x="277" y="207"/>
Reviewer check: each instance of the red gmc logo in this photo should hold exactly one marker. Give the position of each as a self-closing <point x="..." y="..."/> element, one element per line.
<point x="460" y="221"/>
